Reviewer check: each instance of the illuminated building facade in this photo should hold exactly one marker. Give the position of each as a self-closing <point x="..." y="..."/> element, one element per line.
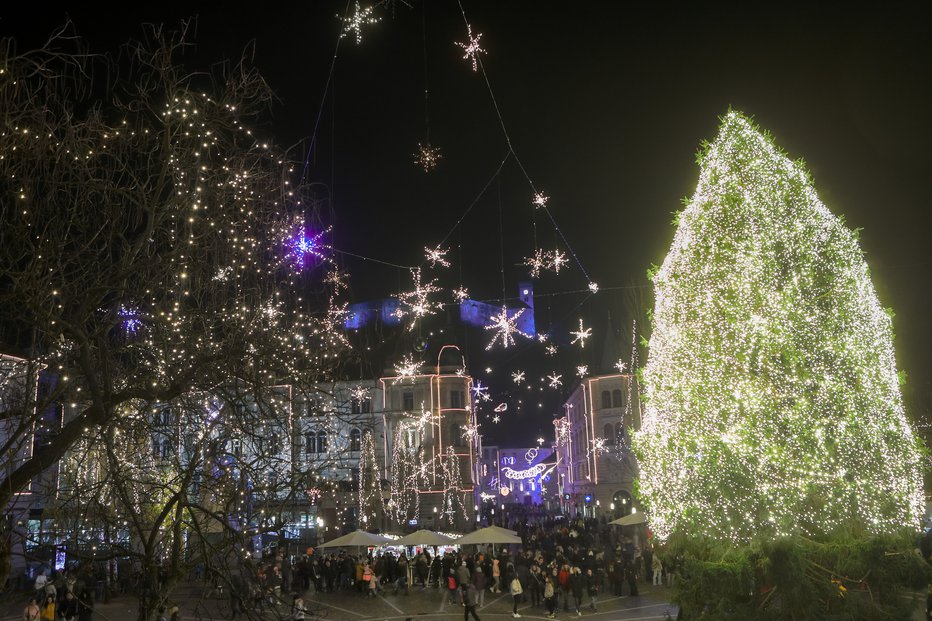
<point x="596" y="469"/>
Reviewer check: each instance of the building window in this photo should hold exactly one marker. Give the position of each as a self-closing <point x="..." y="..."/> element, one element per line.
<point x="457" y="399"/>
<point x="616" y="398"/>
<point x="355" y="443"/>
<point x="321" y="442"/>
<point x="609" y="433"/>
<point x="456" y="435"/>
<point x="407" y="401"/>
<point x="366" y="405"/>
<point x="606" y="399"/>
<point x="355" y="407"/>
<point x="310" y="443"/>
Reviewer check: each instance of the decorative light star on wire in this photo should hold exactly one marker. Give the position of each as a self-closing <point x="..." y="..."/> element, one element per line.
<point x="581" y="335"/>
<point x="621" y="366"/>
<point x="496" y="418"/>
<point x="406" y="369"/>
<point x="536" y="262"/>
<point x="437" y="256"/>
<point x="427" y="156"/>
<point x="480" y="392"/>
<point x="337" y="279"/>
<point x="551" y="350"/>
<point x="360" y="394"/>
<point x="517" y="377"/>
<point x="506" y="327"/>
<point x="418" y="301"/>
<point x="461" y="294"/>
<point x="557" y="260"/>
<point x="302" y="247"/>
<point x="594" y="287"/>
<point x="555" y="380"/>
<point x="540" y="200"/>
<point x="355" y="23"/>
<point x="472" y="48"/>
<point x="582" y="370"/>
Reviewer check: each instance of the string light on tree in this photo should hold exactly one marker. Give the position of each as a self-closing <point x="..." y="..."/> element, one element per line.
<point x="774" y="402"/>
<point x="361" y="17"/>
<point x="471" y="48"/>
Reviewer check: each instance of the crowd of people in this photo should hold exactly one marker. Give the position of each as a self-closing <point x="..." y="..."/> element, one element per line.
<point x="65" y="595"/>
<point x="562" y="565"/>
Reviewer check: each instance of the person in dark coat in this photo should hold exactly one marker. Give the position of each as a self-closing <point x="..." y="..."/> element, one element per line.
<point x="577" y="584"/>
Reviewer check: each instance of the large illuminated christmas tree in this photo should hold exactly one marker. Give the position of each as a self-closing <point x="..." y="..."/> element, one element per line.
<point x="774" y="402"/>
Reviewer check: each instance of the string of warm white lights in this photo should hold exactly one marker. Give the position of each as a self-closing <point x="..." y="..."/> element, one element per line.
<point x="774" y="402"/>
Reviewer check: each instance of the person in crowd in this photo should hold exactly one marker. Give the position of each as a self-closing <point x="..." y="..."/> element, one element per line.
<point x="479" y="581"/>
<point x="516" y="590"/>
<point x="657" y="567"/>
<point x="550" y="596"/>
<point x="68" y="609"/>
<point x="593" y="584"/>
<point x="470" y="601"/>
<point x="496" y="576"/>
<point x="48" y="608"/>
<point x="32" y="611"/>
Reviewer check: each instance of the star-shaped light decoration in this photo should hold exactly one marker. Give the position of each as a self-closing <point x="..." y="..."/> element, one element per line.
<point x="581" y="335"/>
<point x="480" y="392"/>
<point x="540" y="200"/>
<point x="582" y="370"/>
<point x="355" y="23"/>
<point x="517" y="377"/>
<point x="506" y="327"/>
<point x="540" y="441"/>
<point x="427" y="156"/>
<point x="461" y="294"/>
<point x="129" y="319"/>
<point x="359" y="393"/>
<point x="437" y="256"/>
<point x="594" y="287"/>
<point x="555" y="380"/>
<point x="536" y="263"/>
<point x="551" y="350"/>
<point x="337" y="278"/>
<point x="598" y="446"/>
<point x="418" y="301"/>
<point x="557" y="260"/>
<point x="496" y="418"/>
<point x="406" y="369"/>
<point x="301" y="246"/>
<point x="472" y="48"/>
<point x="621" y="366"/>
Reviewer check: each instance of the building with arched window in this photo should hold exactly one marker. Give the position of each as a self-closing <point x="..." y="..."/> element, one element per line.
<point x="592" y="445"/>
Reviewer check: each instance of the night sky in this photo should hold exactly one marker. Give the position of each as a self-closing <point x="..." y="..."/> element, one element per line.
<point x="606" y="107"/>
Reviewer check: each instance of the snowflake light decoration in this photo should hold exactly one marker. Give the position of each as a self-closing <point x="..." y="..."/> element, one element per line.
<point x="336" y="278"/>
<point x="594" y="287"/>
<point x="129" y="319"/>
<point x="582" y="370"/>
<point x="301" y="246"/>
<point x="437" y="256"/>
<point x="621" y="366"/>
<point x="418" y="301"/>
<point x="551" y="350"/>
<point x="480" y="392"/>
<point x="581" y="335"/>
<point x="406" y="369"/>
<point x="461" y="294"/>
<point x="427" y="156"/>
<point x="359" y="19"/>
<point x="505" y="326"/>
<point x="360" y="394"/>
<point x="517" y="377"/>
<point x="555" y="380"/>
<point x="496" y="418"/>
<point x="557" y="260"/>
<point x="540" y="200"/>
<point x="536" y="262"/>
<point x="472" y="48"/>
<point x="223" y="274"/>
